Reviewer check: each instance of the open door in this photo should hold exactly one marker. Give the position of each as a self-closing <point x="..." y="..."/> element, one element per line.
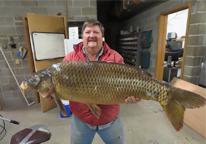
<point x="42" y="23"/>
<point x="163" y="20"/>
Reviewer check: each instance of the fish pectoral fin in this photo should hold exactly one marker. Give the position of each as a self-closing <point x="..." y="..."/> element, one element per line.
<point x="95" y="110"/>
<point x="175" y="113"/>
<point x="60" y="105"/>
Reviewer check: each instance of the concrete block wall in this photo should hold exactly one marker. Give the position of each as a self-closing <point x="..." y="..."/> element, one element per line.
<point x="11" y="12"/>
<point x="196" y="45"/>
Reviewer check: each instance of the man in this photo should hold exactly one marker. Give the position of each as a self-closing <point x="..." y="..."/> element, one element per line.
<point x="84" y="124"/>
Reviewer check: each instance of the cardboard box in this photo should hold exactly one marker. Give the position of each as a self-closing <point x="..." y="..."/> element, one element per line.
<point x="195" y="118"/>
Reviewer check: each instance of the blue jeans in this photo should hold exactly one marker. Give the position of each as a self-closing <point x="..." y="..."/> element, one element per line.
<point x="81" y="133"/>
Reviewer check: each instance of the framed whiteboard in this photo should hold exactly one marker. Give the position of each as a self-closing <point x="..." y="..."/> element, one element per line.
<point x="48" y="45"/>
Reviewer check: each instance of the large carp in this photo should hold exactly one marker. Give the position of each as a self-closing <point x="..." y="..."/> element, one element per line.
<point x="109" y="83"/>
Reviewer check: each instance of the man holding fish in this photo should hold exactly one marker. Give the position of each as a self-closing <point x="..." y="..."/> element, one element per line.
<point x="95" y="89"/>
<point x="84" y="123"/>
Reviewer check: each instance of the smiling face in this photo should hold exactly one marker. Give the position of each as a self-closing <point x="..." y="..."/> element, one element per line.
<point x="92" y="39"/>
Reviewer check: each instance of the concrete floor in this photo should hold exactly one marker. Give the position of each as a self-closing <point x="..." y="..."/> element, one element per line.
<point x="144" y="123"/>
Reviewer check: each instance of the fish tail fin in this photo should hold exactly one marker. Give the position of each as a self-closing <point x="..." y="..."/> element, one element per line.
<point x="180" y="100"/>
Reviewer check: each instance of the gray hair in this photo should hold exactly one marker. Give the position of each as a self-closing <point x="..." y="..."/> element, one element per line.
<point x="91" y="22"/>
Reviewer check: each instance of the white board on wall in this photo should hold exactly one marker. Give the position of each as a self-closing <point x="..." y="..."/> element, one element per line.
<point x="48" y="45"/>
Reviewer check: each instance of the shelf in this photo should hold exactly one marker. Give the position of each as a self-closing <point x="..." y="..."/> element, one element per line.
<point x="129" y="39"/>
<point x="128" y="47"/>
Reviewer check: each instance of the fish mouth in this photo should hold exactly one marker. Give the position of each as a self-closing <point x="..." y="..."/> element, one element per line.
<point x="24" y="86"/>
<point x="47" y="94"/>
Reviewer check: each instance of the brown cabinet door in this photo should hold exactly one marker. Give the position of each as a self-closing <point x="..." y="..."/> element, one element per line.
<point x="43" y="23"/>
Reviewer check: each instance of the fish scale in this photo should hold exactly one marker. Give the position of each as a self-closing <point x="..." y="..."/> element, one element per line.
<point x="95" y="83"/>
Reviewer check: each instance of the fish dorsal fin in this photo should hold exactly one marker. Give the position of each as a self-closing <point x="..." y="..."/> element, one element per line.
<point x="141" y="71"/>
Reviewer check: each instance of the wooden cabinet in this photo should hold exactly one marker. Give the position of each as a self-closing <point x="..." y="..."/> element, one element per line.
<point x="129" y="47"/>
<point x="42" y="23"/>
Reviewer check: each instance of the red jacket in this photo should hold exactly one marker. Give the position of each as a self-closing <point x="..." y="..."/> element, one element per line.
<point x="82" y="111"/>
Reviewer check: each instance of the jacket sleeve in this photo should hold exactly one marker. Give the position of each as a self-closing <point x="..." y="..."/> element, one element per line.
<point x="119" y="58"/>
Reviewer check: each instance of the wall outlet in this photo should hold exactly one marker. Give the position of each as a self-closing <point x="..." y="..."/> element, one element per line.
<point x="17" y="61"/>
<point x="4" y="45"/>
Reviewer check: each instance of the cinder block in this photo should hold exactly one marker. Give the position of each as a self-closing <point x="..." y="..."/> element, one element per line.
<point x="2" y="21"/>
<point x="195" y="40"/>
<point x="74" y="11"/>
<point x="25" y="63"/>
<point x="20" y="31"/>
<point x="6" y="12"/>
<point x="2" y="64"/>
<point x="89" y="11"/>
<point x="81" y="3"/>
<point x="5" y="72"/>
<point x="56" y="10"/>
<point x="71" y="18"/>
<point x="201" y="6"/>
<point x="195" y="51"/>
<point x="10" y="3"/>
<point x="175" y="3"/>
<point x="22" y="71"/>
<point x="4" y="80"/>
<point x="9" y="87"/>
<point x="13" y="64"/>
<point x="18" y="23"/>
<point x="192" y="71"/>
<point x="48" y="3"/>
<point x="7" y="55"/>
<point x="40" y="10"/>
<point x="9" y="20"/>
<point x="18" y="77"/>
<point x="197" y="29"/>
<point x="62" y="3"/>
<point x="16" y="94"/>
<point x="29" y="3"/>
<point x="153" y="62"/>
<point x="198" y="18"/>
<point x="81" y="18"/>
<point x="193" y="61"/>
<point x="191" y="79"/>
<point x="93" y="16"/>
<point x="93" y="3"/>
<point x="7" y="94"/>
<point x="18" y="18"/>
<point x="20" y="11"/>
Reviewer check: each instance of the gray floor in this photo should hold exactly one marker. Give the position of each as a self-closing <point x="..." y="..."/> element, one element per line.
<point x="144" y="122"/>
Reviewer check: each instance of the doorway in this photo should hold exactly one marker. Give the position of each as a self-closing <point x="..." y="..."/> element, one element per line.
<point x="168" y="37"/>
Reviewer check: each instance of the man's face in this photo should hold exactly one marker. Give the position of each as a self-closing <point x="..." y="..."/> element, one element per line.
<point x="92" y="39"/>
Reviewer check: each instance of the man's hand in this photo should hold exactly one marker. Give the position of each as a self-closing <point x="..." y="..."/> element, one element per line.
<point x="132" y="99"/>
